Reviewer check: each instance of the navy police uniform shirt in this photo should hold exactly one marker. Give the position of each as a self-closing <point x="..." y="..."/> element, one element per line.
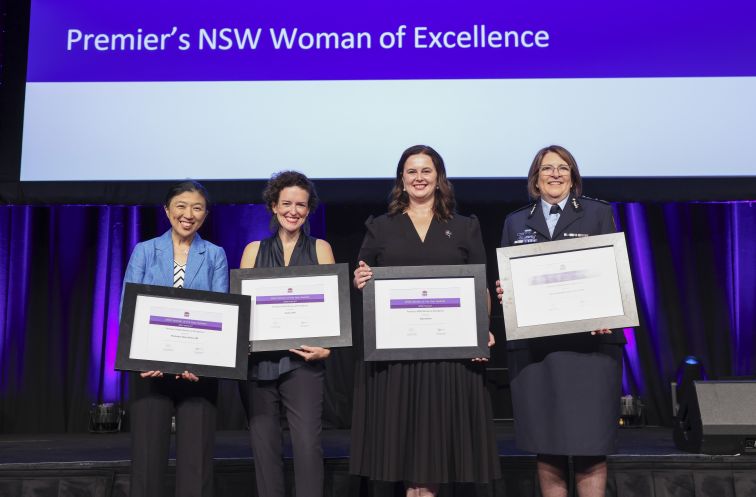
<point x="581" y="216"/>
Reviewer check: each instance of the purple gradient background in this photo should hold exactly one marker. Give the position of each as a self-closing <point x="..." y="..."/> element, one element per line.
<point x="588" y="39"/>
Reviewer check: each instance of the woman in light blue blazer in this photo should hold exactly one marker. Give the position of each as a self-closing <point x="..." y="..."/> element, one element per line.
<point x="178" y="258"/>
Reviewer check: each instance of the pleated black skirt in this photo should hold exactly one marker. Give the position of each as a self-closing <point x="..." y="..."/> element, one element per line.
<point x="423" y="422"/>
<point x="566" y="395"/>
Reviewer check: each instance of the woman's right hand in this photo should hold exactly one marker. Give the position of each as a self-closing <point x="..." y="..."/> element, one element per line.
<point x="361" y="275"/>
<point x="186" y="375"/>
<point x="499" y="291"/>
<point x="151" y="374"/>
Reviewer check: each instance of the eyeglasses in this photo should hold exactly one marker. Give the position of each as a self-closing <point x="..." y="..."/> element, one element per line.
<point x="560" y="170"/>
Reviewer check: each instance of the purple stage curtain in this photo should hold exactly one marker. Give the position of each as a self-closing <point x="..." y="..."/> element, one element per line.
<point x="61" y="272"/>
<point x="61" y="269"/>
<point x="694" y="268"/>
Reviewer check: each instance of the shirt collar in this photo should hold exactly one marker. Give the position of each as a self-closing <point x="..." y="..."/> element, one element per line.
<point x="546" y="207"/>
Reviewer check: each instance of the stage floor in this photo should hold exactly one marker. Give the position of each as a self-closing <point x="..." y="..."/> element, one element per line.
<point x="646" y="464"/>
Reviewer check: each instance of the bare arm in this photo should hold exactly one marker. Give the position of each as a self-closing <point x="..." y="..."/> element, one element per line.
<point x="324" y="252"/>
<point x="250" y="255"/>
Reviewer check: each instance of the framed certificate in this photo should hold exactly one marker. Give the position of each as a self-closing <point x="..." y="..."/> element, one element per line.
<point x="296" y="305"/>
<point x="426" y="312"/>
<point x="175" y="330"/>
<point x="567" y="286"/>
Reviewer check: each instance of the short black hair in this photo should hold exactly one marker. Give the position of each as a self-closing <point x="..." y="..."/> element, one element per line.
<point x="187" y="186"/>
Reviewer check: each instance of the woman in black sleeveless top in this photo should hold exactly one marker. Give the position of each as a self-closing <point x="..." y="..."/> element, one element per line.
<point x="292" y="379"/>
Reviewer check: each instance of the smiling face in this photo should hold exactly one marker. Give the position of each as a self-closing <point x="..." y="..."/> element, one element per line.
<point x="554" y="179"/>
<point x="291" y="210"/>
<point x="419" y="177"/>
<point x="186" y="213"/>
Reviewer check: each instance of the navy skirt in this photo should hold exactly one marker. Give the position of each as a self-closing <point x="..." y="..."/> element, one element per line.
<point x="566" y="395"/>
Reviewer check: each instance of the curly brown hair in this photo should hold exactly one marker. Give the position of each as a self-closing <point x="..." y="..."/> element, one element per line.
<point x="284" y="179"/>
<point x="535" y="170"/>
<point x="443" y="204"/>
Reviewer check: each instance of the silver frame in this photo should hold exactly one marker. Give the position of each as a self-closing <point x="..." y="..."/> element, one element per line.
<point x="616" y="240"/>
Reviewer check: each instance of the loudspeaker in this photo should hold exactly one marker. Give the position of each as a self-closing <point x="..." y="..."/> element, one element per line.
<point x="717" y="417"/>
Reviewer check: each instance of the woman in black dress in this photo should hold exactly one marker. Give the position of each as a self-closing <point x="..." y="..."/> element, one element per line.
<point x="565" y="389"/>
<point x="422" y="422"/>
<point x="294" y="379"/>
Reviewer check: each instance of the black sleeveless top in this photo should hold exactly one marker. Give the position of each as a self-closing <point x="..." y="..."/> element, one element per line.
<point x="271" y="365"/>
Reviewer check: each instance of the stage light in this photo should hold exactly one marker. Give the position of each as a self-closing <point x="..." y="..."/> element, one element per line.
<point x="690" y="370"/>
<point x="631" y="412"/>
<point x="106" y="418"/>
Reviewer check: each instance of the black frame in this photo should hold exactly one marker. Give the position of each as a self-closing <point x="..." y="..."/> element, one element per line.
<point x="134" y="290"/>
<point x="341" y="271"/>
<point x="476" y="271"/>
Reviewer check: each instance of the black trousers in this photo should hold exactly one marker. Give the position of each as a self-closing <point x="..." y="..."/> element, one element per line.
<point x="300" y="393"/>
<point x="154" y="403"/>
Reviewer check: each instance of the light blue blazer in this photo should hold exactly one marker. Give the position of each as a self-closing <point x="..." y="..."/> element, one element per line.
<point x="151" y="263"/>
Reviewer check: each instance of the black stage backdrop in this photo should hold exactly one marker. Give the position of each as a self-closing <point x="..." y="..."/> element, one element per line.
<point x="60" y="280"/>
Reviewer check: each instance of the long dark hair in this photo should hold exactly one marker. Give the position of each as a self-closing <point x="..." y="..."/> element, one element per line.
<point x="535" y="170"/>
<point x="443" y="204"/>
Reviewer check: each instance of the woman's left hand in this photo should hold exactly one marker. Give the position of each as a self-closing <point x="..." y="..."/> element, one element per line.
<point x="186" y="375"/>
<point x="602" y="331"/>
<point x="491" y="343"/>
<point x="311" y="353"/>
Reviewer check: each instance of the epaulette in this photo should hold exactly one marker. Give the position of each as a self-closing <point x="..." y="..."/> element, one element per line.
<point x="595" y="200"/>
<point x="529" y="207"/>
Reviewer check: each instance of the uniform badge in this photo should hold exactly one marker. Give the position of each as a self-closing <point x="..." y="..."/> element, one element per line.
<point x="526" y="236"/>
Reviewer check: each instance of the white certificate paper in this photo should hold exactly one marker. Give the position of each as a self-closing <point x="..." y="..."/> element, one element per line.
<point x="287" y="308"/>
<point x="567" y="286"/>
<point x="425" y="313"/>
<point x="184" y="331"/>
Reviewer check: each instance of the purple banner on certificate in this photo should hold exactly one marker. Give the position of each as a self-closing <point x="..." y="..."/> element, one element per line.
<point x="423" y="303"/>
<point x="307" y="298"/>
<point x="545" y="279"/>
<point x="186" y="323"/>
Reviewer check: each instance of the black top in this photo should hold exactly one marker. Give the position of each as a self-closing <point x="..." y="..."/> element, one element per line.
<point x="271" y="365"/>
<point x="393" y="241"/>
<point x="582" y="216"/>
<point x="271" y="253"/>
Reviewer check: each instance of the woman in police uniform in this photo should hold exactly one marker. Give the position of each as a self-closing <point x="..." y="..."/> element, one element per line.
<point x="565" y="389"/>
